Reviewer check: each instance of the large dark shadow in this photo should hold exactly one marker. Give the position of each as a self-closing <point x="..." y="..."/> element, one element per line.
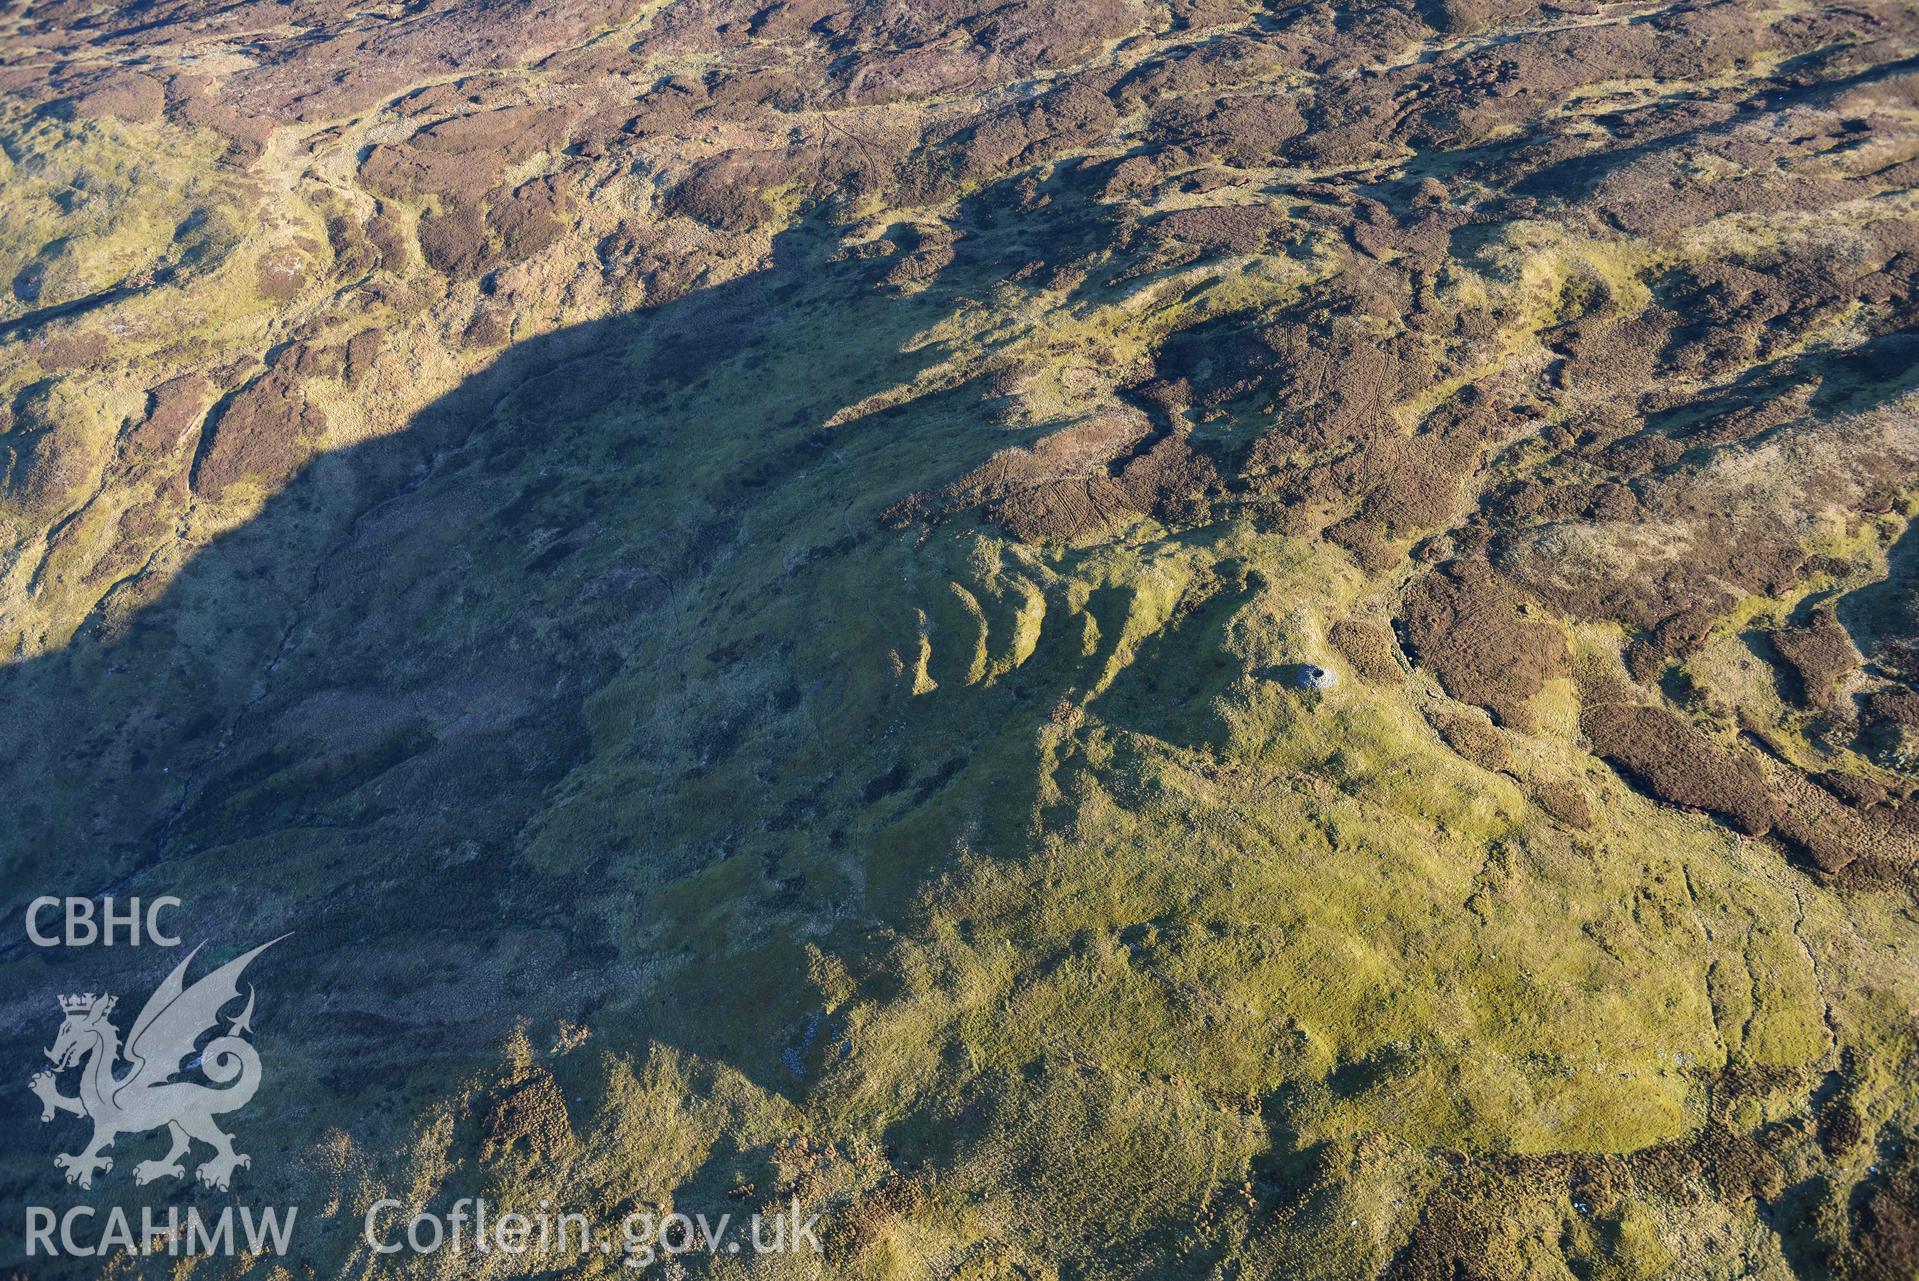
<point x="1883" y="617"/>
<point x="348" y="719"/>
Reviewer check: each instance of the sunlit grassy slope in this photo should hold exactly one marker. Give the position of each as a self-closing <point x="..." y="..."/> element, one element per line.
<point x="1005" y="902"/>
<point x="664" y="821"/>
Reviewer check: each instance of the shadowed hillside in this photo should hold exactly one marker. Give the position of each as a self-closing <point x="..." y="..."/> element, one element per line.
<point x="738" y="578"/>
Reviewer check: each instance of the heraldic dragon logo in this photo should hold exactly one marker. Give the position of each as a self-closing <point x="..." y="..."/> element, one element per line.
<point x="143" y="1095"/>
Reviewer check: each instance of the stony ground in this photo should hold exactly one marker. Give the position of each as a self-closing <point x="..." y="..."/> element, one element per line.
<point x="738" y="576"/>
